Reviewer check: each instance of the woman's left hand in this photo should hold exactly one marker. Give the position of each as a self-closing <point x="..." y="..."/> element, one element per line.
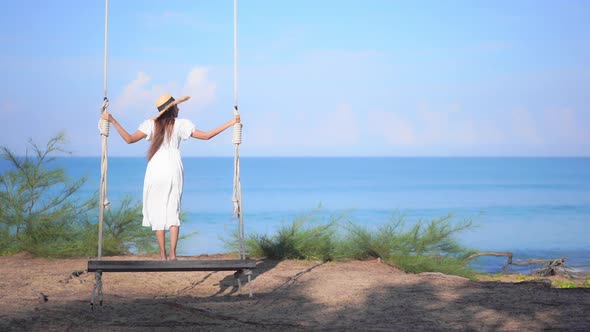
<point x="107" y="116"/>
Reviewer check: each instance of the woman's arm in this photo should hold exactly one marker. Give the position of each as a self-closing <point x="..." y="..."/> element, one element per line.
<point x="207" y="135"/>
<point x="129" y="138"/>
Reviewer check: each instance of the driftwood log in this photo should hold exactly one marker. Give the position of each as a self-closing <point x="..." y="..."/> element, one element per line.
<point x="551" y="267"/>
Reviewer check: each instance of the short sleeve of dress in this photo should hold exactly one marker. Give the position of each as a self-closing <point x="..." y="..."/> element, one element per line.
<point x="185" y="128"/>
<point x="147" y="127"/>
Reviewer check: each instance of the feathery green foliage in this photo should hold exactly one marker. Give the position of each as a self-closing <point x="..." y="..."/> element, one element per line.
<point x="359" y="242"/>
<point x="434" y="237"/>
<point x="38" y="209"/>
<point x="423" y="247"/>
<point x="122" y="231"/>
<point x="41" y="213"/>
<point x="431" y="263"/>
<point x="305" y="237"/>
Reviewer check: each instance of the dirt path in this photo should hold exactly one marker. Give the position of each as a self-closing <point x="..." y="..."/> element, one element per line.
<point x="43" y="295"/>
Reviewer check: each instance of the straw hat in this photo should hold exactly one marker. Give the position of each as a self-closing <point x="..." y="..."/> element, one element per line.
<point x="166" y="101"/>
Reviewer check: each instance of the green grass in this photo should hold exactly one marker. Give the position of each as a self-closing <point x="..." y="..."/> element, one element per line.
<point x="524" y="277"/>
<point x="564" y="284"/>
<point x="571" y="284"/>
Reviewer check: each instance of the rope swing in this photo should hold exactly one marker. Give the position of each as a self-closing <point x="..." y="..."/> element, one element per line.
<point x="242" y="266"/>
<point x="103" y="126"/>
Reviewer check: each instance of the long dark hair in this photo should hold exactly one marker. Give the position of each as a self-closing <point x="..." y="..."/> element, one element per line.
<point x="163" y="129"/>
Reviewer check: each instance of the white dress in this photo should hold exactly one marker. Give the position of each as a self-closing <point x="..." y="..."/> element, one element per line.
<point x="164" y="177"/>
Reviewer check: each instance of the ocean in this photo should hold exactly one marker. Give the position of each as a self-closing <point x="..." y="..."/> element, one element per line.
<point x="533" y="207"/>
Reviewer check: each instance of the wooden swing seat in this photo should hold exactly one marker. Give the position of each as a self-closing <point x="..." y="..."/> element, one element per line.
<point x="170" y="266"/>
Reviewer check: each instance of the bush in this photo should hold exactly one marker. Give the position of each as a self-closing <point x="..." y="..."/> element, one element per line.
<point x="424" y="247"/>
<point x="297" y="240"/>
<point x="359" y="242"/>
<point x="123" y="232"/>
<point x="431" y="263"/>
<point x="40" y="212"/>
<point x="434" y="237"/>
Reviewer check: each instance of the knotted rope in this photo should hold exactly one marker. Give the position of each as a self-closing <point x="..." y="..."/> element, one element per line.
<point x="237" y="192"/>
<point x="103" y="125"/>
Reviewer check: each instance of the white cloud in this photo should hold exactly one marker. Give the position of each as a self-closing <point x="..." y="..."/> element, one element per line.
<point x="524" y="127"/>
<point x="392" y="127"/>
<point x="565" y="126"/>
<point x="260" y="129"/>
<point x="139" y="95"/>
<point x="302" y="132"/>
<point x="515" y="131"/>
<point x="338" y="127"/>
<point x="316" y="123"/>
<point x="449" y="126"/>
<point x="490" y="131"/>
<point x="327" y="129"/>
<point x="434" y="125"/>
<point x="199" y="87"/>
<point x="136" y="95"/>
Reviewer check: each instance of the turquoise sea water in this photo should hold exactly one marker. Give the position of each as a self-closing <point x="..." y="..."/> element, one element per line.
<point x="534" y="207"/>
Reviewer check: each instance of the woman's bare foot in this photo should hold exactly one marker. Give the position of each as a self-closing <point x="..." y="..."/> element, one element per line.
<point x="172" y="258"/>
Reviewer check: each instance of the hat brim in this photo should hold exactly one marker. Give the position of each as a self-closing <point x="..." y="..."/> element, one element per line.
<point x="175" y="102"/>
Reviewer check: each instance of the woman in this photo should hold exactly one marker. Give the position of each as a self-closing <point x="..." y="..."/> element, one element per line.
<point x="164" y="176"/>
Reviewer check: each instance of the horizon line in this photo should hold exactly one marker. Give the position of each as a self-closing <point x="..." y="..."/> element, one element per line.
<point x="339" y="156"/>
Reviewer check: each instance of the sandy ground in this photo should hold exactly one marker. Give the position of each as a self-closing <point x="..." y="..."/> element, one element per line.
<point x="47" y="295"/>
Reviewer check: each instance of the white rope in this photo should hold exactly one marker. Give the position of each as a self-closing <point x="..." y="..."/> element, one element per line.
<point x="237" y="192"/>
<point x="106" y="46"/>
<point x="236" y="57"/>
<point x="103" y="126"/>
<point x="237" y="140"/>
<point x="237" y="195"/>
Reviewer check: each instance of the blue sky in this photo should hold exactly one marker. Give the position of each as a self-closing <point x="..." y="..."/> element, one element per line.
<point x="316" y="78"/>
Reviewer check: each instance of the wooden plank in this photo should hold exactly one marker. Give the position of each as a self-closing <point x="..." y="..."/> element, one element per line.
<point x="170" y="266"/>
